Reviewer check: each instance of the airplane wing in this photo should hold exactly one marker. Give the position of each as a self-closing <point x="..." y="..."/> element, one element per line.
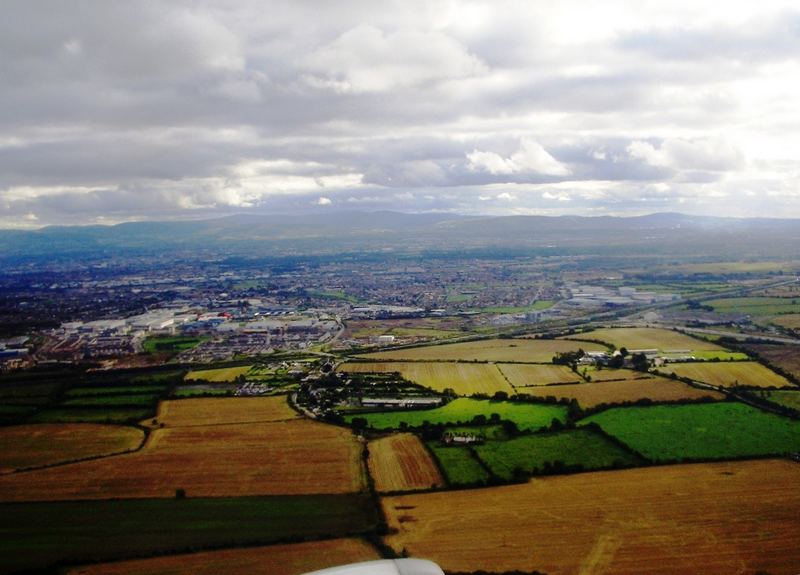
<point x="385" y="567"/>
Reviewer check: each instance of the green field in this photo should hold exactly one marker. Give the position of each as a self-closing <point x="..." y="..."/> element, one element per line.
<point x="579" y="449"/>
<point x="720" y="355"/>
<point x="758" y="306"/>
<point x="707" y="431"/>
<point x="458" y="464"/>
<point x="121" y="390"/>
<point x="171" y="344"/>
<point x="198" y="391"/>
<point x="223" y="374"/>
<point x="93" y="415"/>
<point x="133" y="399"/>
<point x="37" y="535"/>
<point x="786" y="398"/>
<point x="527" y="416"/>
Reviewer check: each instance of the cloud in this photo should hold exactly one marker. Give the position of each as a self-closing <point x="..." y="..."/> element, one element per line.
<point x="530" y="158"/>
<point x="715" y="155"/>
<point x="323" y="201"/>
<point x="367" y="59"/>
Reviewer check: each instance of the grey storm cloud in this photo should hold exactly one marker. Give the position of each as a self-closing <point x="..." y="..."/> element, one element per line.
<point x="134" y="110"/>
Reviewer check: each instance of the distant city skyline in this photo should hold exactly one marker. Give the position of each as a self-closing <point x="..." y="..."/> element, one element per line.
<point x="113" y="111"/>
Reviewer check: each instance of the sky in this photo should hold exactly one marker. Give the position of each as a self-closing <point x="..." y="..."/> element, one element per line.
<point x="144" y="110"/>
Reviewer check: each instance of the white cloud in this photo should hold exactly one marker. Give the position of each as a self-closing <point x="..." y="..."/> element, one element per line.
<point x="530" y="158"/>
<point x="323" y="201"/>
<point x="706" y="154"/>
<point x="367" y="59"/>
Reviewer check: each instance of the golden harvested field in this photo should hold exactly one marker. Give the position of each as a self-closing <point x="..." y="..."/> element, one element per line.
<point x="714" y="518"/>
<point x="222" y="459"/>
<point x="726" y="374"/>
<point x="501" y="350"/>
<point x="648" y="338"/>
<point x="656" y="388"/>
<point x="289" y="559"/>
<point x="608" y="374"/>
<point x="221" y="375"/>
<point x="463" y="378"/>
<point x="401" y="463"/>
<point x="216" y="411"/>
<point x="790" y="320"/>
<point x="524" y="374"/>
<point x="23" y="446"/>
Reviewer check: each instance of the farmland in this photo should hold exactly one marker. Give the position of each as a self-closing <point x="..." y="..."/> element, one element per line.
<point x="498" y="350"/>
<point x="223" y="374"/>
<point x="527" y="416"/>
<point x="286" y="559"/>
<point x="648" y="338"/>
<point x="462" y="378"/>
<point x="590" y="395"/>
<point x="401" y="463"/>
<point x="581" y="449"/>
<point x="786" y="398"/>
<point x="459" y="465"/>
<point x="738" y="517"/>
<point x="36" y="535"/>
<point x="729" y="374"/>
<point x="234" y="453"/>
<point x="756" y="306"/>
<point x="123" y="414"/>
<point x="705" y="431"/>
<point x="23" y="446"/>
<point x="791" y="321"/>
<point x="786" y="357"/>
<point x="525" y="374"/>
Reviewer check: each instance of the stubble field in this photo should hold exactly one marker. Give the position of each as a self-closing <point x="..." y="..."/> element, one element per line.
<point x="622" y="522"/>
<point x="648" y="338"/>
<point x="402" y="463"/>
<point x="525" y="374"/>
<point x="462" y="378"/>
<point x="499" y="350"/>
<point x="729" y="374"/>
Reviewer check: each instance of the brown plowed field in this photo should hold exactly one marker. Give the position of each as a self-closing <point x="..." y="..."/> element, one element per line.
<point x="401" y="463"/>
<point x="23" y="446"/>
<point x="291" y="559"/>
<point x="282" y="458"/>
<point x="714" y="518"/>
<point x="656" y="389"/>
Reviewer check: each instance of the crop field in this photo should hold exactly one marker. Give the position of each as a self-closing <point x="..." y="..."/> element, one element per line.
<point x="223" y="374"/>
<point x="402" y="463"/>
<point x="459" y="465"/>
<point x="705" y="431"/>
<point x="756" y="306"/>
<point x="233" y="454"/>
<point x="610" y="374"/>
<point x="499" y="350"/>
<point x="786" y="357"/>
<point x="792" y="320"/>
<point x="92" y="415"/>
<point x="646" y="520"/>
<point x="23" y="446"/>
<point x="527" y="416"/>
<point x="648" y="338"/>
<point x="286" y="559"/>
<point x="580" y="448"/>
<point x="116" y="390"/>
<point x="462" y="378"/>
<point x="786" y="398"/>
<point x="729" y="374"/>
<point x="214" y="411"/>
<point x="590" y="395"/>
<point x="36" y="535"/>
<point x="526" y="374"/>
<point x="720" y="355"/>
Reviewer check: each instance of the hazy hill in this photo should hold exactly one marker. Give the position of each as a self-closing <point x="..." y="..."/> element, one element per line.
<point x="662" y="233"/>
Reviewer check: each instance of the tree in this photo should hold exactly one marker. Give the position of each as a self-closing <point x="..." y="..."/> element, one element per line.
<point x="359" y="423"/>
<point x="640" y="362"/>
<point x="623" y="351"/>
<point x="500" y="396"/>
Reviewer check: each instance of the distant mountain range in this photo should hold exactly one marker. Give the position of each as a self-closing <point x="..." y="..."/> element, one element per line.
<point x="401" y="233"/>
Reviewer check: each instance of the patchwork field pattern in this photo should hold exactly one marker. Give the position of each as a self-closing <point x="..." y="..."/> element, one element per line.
<point x="704" y="431"/>
<point x="500" y="350"/>
<point x="288" y="559"/>
<point x="459" y="465"/>
<point x="402" y="463"/>
<point x="219" y="459"/>
<point x="648" y="338"/>
<point x="23" y="446"/>
<point x="613" y="522"/>
<point x="462" y="378"/>
<point x="729" y="374"/>
<point x="525" y="374"/>
<point x="589" y="395"/>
